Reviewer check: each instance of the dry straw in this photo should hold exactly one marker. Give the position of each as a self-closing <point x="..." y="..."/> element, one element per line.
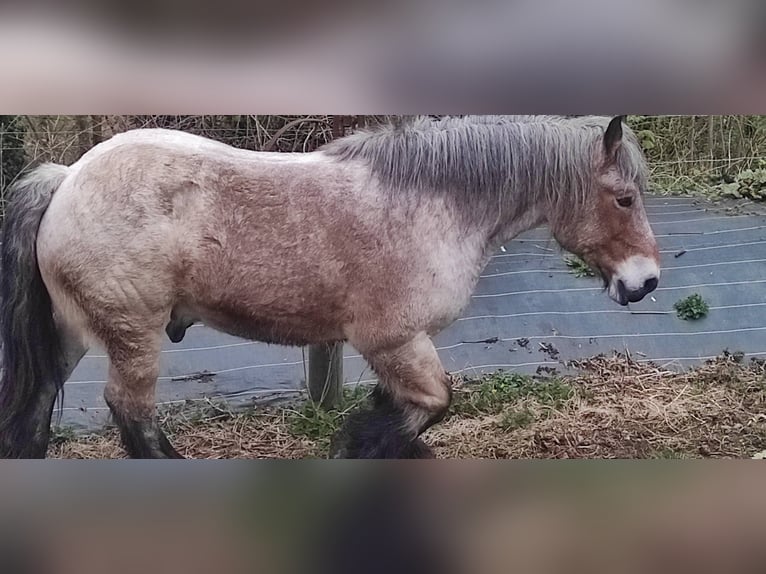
<point x="619" y="408"/>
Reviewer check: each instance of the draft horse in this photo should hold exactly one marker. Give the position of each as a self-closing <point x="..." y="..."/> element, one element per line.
<point x="377" y="239"/>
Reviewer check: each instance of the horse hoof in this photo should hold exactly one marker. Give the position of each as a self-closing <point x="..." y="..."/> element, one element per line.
<point x="419" y="449"/>
<point x="341" y="447"/>
<point x="167" y="450"/>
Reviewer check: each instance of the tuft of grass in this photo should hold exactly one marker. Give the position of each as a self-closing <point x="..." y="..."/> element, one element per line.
<point x="513" y="419"/>
<point x="691" y="308"/>
<point x="62" y="435"/>
<point x="313" y="422"/>
<point x="668" y="454"/>
<point x="494" y="393"/>
<point x="578" y="267"/>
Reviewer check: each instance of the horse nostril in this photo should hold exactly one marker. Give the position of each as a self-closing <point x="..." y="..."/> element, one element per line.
<point x="622" y="292"/>
<point x="650" y="285"/>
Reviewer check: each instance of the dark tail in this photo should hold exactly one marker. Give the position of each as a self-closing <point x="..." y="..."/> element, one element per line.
<point x="32" y="371"/>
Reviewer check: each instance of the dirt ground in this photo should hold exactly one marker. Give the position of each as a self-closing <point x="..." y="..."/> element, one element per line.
<point x="613" y="408"/>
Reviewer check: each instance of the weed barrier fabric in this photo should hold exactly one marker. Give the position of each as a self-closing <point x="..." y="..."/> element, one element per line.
<point x="529" y="314"/>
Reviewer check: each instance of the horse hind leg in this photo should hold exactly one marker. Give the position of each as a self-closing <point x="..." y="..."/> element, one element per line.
<point x="413" y="394"/>
<point x="73" y="349"/>
<point x="133" y="371"/>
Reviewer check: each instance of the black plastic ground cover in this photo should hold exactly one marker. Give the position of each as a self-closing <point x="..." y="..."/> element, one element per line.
<point x="529" y="312"/>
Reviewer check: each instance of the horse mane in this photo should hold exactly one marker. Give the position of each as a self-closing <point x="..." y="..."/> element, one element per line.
<point x="519" y="159"/>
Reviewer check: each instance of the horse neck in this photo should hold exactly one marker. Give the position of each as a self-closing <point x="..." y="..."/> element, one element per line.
<point x="517" y="213"/>
<point x="515" y="224"/>
<point x="528" y="199"/>
<point x="541" y="197"/>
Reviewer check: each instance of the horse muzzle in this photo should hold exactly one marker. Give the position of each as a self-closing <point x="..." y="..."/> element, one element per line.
<point x="634" y="279"/>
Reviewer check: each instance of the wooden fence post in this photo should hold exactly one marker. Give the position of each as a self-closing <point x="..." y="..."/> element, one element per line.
<point x="325" y="383"/>
<point x="325" y="377"/>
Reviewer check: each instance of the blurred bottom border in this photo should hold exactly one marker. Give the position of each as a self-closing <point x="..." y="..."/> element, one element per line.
<point x="346" y="516"/>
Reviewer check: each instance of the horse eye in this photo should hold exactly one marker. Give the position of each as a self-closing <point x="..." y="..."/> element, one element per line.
<point x="625" y="201"/>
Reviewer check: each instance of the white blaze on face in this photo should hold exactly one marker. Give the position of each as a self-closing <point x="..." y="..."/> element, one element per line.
<point x="634" y="272"/>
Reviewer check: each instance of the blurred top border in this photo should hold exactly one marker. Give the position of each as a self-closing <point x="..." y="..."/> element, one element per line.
<point x="295" y="56"/>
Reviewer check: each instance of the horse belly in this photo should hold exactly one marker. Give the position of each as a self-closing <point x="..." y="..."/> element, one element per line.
<point x="269" y="306"/>
<point x="296" y="330"/>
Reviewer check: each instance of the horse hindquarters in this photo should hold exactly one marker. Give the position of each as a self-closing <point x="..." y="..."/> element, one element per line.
<point x="126" y="315"/>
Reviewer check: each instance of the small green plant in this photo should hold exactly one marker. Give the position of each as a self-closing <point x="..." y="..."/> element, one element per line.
<point x="494" y="393"/>
<point x="667" y="453"/>
<point x="692" y="308"/>
<point x="314" y="422"/>
<point x="319" y="424"/>
<point x="747" y="184"/>
<point x="62" y="435"/>
<point x="647" y="139"/>
<point x="514" y="419"/>
<point x="578" y="267"/>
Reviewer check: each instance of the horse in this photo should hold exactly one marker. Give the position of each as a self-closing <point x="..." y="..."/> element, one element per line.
<point x="377" y="239"/>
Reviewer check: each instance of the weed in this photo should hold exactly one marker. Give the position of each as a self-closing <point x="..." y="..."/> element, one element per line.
<point x="578" y="267"/>
<point x="493" y="393"/>
<point x="514" y="419"/>
<point x="667" y="453"/>
<point x="61" y="435"/>
<point x="692" y="308"/>
<point x="319" y="424"/>
<point x="314" y="422"/>
<point x="747" y="184"/>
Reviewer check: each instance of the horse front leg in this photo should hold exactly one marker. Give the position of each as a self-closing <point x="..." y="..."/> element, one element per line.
<point x="413" y="394"/>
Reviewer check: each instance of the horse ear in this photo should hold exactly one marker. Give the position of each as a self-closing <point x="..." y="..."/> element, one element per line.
<point x="613" y="136"/>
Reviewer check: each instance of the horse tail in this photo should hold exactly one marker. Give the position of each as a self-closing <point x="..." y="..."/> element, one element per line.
<point x="31" y="344"/>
